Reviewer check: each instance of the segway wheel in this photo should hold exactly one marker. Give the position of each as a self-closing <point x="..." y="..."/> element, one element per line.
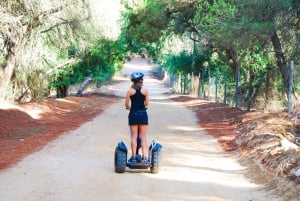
<point x="155" y="161"/>
<point x="120" y="160"/>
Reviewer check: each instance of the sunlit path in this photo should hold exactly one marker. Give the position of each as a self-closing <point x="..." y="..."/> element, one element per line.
<point x="79" y="165"/>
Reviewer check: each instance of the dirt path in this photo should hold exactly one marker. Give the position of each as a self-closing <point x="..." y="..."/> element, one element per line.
<point x="78" y="166"/>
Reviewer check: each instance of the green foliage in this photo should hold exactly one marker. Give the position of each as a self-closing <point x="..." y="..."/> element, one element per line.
<point x="177" y="64"/>
<point x="254" y="61"/>
<point x="147" y="23"/>
<point x="101" y="61"/>
<point x="219" y="21"/>
<point x="223" y="69"/>
<point x="36" y="83"/>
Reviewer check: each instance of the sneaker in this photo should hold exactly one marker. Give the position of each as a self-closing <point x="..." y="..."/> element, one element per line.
<point x="138" y="158"/>
<point x="132" y="160"/>
<point x="144" y="160"/>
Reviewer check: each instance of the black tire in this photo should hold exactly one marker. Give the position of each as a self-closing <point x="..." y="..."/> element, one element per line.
<point x="155" y="161"/>
<point x="120" y="161"/>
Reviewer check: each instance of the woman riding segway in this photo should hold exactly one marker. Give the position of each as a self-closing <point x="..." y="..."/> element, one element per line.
<point x="137" y="101"/>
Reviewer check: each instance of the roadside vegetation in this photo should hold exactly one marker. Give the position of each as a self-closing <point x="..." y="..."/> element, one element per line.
<point x="252" y="44"/>
<point x="47" y="46"/>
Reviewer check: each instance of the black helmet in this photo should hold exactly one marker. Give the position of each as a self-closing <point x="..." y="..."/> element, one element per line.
<point x="136" y="76"/>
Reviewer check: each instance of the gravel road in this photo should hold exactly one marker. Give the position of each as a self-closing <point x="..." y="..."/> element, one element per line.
<point x="78" y="166"/>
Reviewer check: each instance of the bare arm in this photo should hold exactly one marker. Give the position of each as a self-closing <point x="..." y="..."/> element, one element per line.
<point x="127" y="99"/>
<point x="146" y="93"/>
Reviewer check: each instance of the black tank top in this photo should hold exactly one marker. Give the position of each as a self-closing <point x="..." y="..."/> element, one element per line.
<point x="137" y="101"/>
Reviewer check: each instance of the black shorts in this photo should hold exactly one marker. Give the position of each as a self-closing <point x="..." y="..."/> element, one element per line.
<point x="138" y="118"/>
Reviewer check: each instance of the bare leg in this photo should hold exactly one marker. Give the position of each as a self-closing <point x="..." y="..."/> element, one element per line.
<point x="143" y="137"/>
<point x="134" y="134"/>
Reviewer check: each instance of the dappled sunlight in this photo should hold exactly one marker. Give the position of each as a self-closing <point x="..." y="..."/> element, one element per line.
<point x="158" y="101"/>
<point x="201" y="161"/>
<point x="184" y="128"/>
<point x="200" y="168"/>
<point x="33" y="112"/>
<point x="192" y="169"/>
<point x="38" y="110"/>
<point x="189" y="156"/>
<point x="154" y="82"/>
<point x="7" y="106"/>
<point x="65" y="100"/>
<point x="141" y="66"/>
<point x="138" y="63"/>
<point x="202" y="175"/>
<point x="185" y="195"/>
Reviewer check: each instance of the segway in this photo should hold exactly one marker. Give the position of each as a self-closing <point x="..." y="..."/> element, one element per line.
<point x="154" y="155"/>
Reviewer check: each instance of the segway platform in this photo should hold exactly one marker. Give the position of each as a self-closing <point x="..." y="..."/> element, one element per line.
<point x="154" y="155"/>
<point x="138" y="165"/>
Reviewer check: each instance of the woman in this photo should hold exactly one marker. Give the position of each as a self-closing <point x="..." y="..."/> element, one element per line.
<point x="137" y="101"/>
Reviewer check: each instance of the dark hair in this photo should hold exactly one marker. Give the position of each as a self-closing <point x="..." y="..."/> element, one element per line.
<point x="137" y="85"/>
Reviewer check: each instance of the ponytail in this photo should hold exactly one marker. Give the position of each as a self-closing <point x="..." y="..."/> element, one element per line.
<point x="137" y="85"/>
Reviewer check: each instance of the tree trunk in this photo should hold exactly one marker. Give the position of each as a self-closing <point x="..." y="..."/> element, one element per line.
<point x="250" y="90"/>
<point x="280" y="58"/>
<point x="233" y="55"/>
<point x="268" y="87"/>
<point x="84" y="85"/>
<point x="7" y="72"/>
<point x="61" y="91"/>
